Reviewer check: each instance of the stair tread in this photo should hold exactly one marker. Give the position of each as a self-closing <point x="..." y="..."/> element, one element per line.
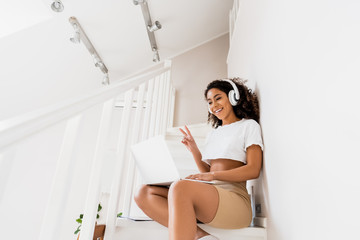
<point x="152" y="226"/>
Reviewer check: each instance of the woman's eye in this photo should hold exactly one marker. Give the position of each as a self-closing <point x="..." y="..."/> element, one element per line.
<point x="218" y="99"/>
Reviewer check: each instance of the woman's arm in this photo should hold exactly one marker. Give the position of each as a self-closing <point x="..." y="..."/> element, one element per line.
<point x="249" y="171"/>
<point x="190" y="143"/>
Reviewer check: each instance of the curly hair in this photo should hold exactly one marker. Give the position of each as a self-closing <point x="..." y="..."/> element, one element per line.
<point x="247" y="107"/>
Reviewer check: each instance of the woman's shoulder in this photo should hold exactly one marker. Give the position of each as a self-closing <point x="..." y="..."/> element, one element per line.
<point x="250" y="122"/>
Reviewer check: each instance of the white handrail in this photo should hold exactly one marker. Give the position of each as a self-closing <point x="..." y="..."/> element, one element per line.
<point x="15" y="129"/>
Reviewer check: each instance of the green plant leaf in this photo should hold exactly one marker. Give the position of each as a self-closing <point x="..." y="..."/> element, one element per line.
<point x="77" y="230"/>
<point x="79" y="220"/>
<point x="81" y="216"/>
<point x="99" y="207"/>
<point x="97" y="216"/>
<point x="119" y="214"/>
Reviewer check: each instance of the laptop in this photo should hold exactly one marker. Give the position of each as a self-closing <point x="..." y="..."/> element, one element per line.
<point x="155" y="163"/>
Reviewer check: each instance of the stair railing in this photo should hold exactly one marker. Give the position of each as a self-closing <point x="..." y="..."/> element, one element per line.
<point x="154" y="113"/>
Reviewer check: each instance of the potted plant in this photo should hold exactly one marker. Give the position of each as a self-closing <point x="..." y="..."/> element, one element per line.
<point x="99" y="230"/>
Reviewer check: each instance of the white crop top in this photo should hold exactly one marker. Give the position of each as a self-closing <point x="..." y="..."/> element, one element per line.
<point x="231" y="141"/>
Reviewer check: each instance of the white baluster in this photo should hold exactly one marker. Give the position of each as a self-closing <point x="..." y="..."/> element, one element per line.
<point x="164" y="122"/>
<point x="148" y="109"/>
<point x="160" y="103"/>
<point x="172" y="107"/>
<point x="93" y="195"/>
<point x="154" y="108"/>
<point x="134" y="138"/>
<point x="118" y="171"/>
<point x="61" y="184"/>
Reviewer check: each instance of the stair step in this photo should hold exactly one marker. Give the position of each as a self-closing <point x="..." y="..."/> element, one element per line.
<point x="135" y="230"/>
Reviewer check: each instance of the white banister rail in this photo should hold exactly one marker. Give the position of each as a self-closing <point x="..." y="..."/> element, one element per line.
<point x="14" y="129"/>
<point x="153" y="114"/>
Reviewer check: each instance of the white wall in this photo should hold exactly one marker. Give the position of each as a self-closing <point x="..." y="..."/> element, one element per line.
<point x="191" y="72"/>
<point x="303" y="57"/>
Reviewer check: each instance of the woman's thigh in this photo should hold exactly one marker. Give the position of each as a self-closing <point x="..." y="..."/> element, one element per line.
<point x="204" y="197"/>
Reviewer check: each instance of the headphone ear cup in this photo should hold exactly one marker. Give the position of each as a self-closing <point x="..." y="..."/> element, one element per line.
<point x="232" y="98"/>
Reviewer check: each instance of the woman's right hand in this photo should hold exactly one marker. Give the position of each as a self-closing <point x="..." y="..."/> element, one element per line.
<point x="188" y="140"/>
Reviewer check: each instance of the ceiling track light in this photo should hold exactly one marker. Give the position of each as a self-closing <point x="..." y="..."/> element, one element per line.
<point x="76" y="38"/>
<point x="156" y="57"/>
<point x="57" y="6"/>
<point x="106" y="80"/>
<point x="151" y="28"/>
<point x="81" y="36"/>
<point x="137" y="2"/>
<point x="156" y="26"/>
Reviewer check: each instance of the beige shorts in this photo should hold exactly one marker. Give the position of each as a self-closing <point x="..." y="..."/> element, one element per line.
<point x="234" y="210"/>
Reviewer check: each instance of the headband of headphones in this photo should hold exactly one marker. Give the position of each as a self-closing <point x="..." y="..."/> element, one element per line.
<point x="234" y="94"/>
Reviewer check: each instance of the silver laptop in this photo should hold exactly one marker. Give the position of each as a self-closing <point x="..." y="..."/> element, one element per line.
<point x="155" y="163"/>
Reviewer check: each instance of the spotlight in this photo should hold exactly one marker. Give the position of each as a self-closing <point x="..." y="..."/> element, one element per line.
<point x="154" y="27"/>
<point x="156" y="57"/>
<point x="57" y="6"/>
<point x="98" y="62"/>
<point x="106" y="80"/>
<point x="76" y="38"/>
<point x="136" y="2"/>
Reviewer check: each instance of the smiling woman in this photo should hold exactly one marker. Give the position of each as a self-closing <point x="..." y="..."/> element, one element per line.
<point x="232" y="155"/>
<point x="18" y="15"/>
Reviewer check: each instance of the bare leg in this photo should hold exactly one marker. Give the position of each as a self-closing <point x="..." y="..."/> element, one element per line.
<point x="154" y="202"/>
<point x="189" y="201"/>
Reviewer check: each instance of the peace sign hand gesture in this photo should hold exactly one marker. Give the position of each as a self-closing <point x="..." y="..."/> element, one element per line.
<point x="188" y="140"/>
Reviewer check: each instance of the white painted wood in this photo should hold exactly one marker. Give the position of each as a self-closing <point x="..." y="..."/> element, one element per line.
<point x="159" y="107"/>
<point x="61" y="183"/>
<point x="152" y="230"/>
<point x="134" y="138"/>
<point x="93" y="194"/>
<point x="15" y="129"/>
<point x="172" y="108"/>
<point x="162" y="103"/>
<point x="154" y="108"/>
<point x="169" y="102"/>
<point x="164" y="120"/>
<point x="148" y="109"/>
<point x="119" y="168"/>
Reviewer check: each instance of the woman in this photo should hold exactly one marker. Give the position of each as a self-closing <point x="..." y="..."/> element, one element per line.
<point x="232" y="155"/>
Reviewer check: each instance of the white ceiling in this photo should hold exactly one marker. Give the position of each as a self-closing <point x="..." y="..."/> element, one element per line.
<point x="117" y="29"/>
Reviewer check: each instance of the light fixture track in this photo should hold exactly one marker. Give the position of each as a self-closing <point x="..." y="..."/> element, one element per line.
<point x="85" y="40"/>
<point x="150" y="26"/>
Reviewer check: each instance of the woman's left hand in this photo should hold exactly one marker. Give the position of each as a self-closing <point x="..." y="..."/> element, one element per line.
<point x="208" y="176"/>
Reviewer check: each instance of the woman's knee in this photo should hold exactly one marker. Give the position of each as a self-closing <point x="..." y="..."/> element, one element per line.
<point x="142" y="194"/>
<point x="180" y="189"/>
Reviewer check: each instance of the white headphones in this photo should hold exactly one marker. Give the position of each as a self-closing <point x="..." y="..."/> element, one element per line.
<point x="234" y="95"/>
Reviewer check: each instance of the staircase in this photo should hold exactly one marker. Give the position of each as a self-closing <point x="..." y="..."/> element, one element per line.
<point x="52" y="149"/>
<point x="129" y="229"/>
